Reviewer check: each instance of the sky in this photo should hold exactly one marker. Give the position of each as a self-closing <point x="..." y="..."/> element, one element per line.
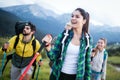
<point x="101" y="11"/>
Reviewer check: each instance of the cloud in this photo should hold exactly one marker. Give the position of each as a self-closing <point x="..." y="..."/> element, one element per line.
<point x="6" y="3"/>
<point x="105" y="11"/>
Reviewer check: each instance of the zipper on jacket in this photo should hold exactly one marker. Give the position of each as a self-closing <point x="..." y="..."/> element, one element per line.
<point x="23" y="54"/>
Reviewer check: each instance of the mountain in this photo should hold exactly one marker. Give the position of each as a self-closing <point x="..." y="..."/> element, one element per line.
<point x="105" y="31"/>
<point x="7" y="22"/>
<point x="41" y="17"/>
<point x="49" y="22"/>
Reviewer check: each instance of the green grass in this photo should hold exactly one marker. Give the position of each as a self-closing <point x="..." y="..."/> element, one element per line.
<point x="44" y="71"/>
<point x="3" y="40"/>
<point x="112" y="73"/>
<point x="6" y="74"/>
<point x="114" y="59"/>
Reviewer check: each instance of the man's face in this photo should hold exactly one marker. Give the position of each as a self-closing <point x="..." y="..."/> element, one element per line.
<point x="26" y="30"/>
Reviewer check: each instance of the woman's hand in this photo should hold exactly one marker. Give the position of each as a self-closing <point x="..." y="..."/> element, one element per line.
<point x="48" y="40"/>
<point x="5" y="46"/>
<point x="68" y="26"/>
<point x="40" y="63"/>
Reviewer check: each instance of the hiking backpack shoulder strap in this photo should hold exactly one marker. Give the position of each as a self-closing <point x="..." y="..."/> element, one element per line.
<point x="34" y="45"/>
<point x="16" y="41"/>
<point x="34" y="63"/>
<point x="105" y="55"/>
<point x="104" y="58"/>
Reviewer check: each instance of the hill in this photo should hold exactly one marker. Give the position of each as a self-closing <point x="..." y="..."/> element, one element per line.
<point x="49" y="22"/>
<point x="7" y="22"/>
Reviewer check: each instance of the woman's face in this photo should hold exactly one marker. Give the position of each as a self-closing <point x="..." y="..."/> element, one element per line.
<point x="101" y="44"/>
<point x="77" y="20"/>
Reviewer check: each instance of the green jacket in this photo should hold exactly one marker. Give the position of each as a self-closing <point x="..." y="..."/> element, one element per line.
<point x="83" y="66"/>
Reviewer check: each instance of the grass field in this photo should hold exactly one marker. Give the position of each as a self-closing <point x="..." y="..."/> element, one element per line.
<point x="112" y="73"/>
<point x="44" y="72"/>
<point x="114" y="60"/>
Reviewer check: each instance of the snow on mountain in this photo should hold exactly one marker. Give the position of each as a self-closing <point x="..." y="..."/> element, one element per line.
<point x="38" y="11"/>
<point x="94" y="22"/>
<point x="46" y="19"/>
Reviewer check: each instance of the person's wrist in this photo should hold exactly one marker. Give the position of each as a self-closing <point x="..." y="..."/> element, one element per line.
<point x="40" y="60"/>
<point x="3" y="49"/>
<point x="47" y="45"/>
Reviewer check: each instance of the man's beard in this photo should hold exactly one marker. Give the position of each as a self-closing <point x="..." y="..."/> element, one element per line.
<point x="26" y="34"/>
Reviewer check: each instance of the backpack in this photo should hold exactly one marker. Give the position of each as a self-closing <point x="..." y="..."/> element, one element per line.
<point x="19" y="26"/>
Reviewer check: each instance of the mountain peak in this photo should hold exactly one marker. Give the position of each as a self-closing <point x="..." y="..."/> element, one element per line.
<point x="96" y="23"/>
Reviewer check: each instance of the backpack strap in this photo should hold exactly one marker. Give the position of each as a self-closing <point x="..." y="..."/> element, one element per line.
<point x="34" y="45"/>
<point x="34" y="63"/>
<point x="105" y="55"/>
<point x="16" y="41"/>
<point x="104" y="58"/>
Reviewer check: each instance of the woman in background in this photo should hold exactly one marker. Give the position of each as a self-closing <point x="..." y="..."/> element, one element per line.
<point x="99" y="60"/>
